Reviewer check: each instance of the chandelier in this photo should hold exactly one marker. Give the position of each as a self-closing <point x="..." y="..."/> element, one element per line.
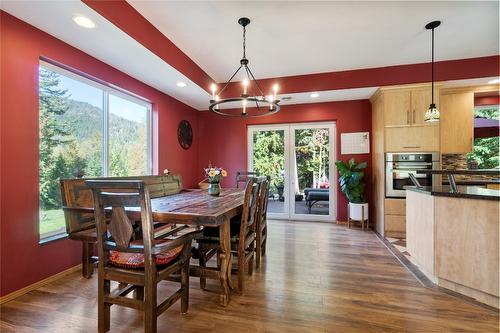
<point x="260" y="104"/>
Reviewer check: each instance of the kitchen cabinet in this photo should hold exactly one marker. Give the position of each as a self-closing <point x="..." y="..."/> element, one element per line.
<point x="397" y="107"/>
<point x="395" y="206"/>
<point x="395" y="217"/>
<point x="457" y="122"/>
<point x="412" y="139"/>
<point x="407" y="107"/>
<point x="378" y="163"/>
<point x="420" y="101"/>
<point x="395" y="226"/>
<point x="454" y="242"/>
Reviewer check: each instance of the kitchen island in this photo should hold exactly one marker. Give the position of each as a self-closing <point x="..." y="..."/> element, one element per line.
<point x="453" y="238"/>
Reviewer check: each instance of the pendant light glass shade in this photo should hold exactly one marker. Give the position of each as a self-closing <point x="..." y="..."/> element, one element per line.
<point x="432" y="114"/>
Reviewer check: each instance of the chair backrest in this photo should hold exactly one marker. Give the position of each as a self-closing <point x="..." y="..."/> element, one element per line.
<point x="263" y="199"/>
<point x="119" y="232"/>
<point x="242" y="177"/>
<point x="249" y="213"/>
<point x="78" y="204"/>
<point x="110" y="199"/>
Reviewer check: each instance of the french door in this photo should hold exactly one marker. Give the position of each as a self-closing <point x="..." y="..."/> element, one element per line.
<point x="299" y="160"/>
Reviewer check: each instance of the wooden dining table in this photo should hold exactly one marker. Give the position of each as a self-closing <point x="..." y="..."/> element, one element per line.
<point x="197" y="207"/>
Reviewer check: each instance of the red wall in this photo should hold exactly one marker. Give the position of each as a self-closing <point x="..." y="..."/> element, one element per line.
<point x="23" y="260"/>
<point x="223" y="140"/>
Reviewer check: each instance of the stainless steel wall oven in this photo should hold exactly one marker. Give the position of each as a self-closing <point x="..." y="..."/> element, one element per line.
<point x="398" y="166"/>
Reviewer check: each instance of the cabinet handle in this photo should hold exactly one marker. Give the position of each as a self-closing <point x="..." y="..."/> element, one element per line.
<point x="413" y="116"/>
<point x="408" y="116"/>
<point x="411" y="146"/>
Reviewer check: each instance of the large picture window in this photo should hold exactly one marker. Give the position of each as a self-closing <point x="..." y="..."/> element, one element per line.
<point x="86" y="129"/>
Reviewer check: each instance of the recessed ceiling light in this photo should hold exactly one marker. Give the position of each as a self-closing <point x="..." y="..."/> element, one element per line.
<point x="314" y="95"/>
<point x="181" y="84"/>
<point x="495" y="81"/>
<point x="84" y="21"/>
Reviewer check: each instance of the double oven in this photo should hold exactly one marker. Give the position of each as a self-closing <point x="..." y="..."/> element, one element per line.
<point x="399" y="166"/>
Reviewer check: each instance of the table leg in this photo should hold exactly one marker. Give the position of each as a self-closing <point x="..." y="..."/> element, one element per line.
<point x="225" y="258"/>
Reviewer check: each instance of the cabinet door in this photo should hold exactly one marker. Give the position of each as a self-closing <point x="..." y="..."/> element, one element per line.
<point x="457" y="123"/>
<point x="397" y="108"/>
<point x="420" y="101"/>
<point x="395" y="225"/>
<point x="412" y="139"/>
<point x="395" y="207"/>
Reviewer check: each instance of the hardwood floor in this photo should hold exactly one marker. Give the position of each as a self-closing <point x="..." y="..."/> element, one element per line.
<point x="316" y="277"/>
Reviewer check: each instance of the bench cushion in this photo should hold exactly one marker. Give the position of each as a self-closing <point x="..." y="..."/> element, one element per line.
<point x="310" y="189"/>
<point x="316" y="195"/>
<point x="136" y="260"/>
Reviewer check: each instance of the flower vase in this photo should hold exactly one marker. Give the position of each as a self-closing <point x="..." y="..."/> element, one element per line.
<point x="214" y="189"/>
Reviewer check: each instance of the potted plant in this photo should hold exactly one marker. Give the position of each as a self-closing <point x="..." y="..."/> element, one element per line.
<point x="353" y="186"/>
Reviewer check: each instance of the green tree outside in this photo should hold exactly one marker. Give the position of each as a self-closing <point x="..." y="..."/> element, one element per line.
<point x="71" y="142"/>
<point x="486" y="150"/>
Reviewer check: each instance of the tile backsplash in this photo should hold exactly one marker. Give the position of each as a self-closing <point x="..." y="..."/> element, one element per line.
<point x="454" y="161"/>
<point x="459" y="161"/>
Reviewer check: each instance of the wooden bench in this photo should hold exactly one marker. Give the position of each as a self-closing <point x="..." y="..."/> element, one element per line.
<point x="78" y="206"/>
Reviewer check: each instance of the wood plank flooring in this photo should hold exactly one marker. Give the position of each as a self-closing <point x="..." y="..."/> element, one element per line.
<point x="316" y="277"/>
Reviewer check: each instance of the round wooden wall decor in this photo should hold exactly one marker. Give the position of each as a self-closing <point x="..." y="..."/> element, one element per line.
<point x="185" y="134"/>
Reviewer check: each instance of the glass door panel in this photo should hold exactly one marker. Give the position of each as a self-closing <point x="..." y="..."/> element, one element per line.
<point x="311" y="171"/>
<point x="267" y="156"/>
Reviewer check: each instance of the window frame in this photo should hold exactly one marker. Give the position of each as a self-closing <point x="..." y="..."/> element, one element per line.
<point x="106" y="89"/>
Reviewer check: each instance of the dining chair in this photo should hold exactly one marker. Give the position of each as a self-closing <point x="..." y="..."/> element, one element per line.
<point x="261" y="222"/>
<point x="137" y="264"/>
<point x="242" y="237"/>
<point x="242" y="177"/>
<point x="78" y="207"/>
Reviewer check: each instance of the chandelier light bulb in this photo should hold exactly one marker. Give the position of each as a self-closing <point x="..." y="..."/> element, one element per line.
<point x="213" y="87"/>
<point x="275" y="89"/>
<point x="244" y="102"/>
<point x="245" y="86"/>
<point x="216" y="98"/>
<point x="270" y="100"/>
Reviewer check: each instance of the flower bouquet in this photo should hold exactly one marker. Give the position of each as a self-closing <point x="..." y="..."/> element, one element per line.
<point x="214" y="176"/>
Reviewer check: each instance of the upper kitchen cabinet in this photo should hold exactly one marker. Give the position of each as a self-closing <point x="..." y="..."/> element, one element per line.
<point x="406" y="106"/>
<point x="420" y="100"/>
<point x="397" y="107"/>
<point x="457" y="117"/>
<point x="457" y="121"/>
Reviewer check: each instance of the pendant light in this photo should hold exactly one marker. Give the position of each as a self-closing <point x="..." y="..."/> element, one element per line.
<point x="432" y="114"/>
<point x="264" y="105"/>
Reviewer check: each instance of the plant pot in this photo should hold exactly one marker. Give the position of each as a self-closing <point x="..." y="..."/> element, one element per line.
<point x="214" y="189"/>
<point x="358" y="211"/>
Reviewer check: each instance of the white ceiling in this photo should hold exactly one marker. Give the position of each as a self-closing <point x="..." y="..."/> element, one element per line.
<point x="107" y="43"/>
<point x="328" y="96"/>
<point x="302" y="37"/>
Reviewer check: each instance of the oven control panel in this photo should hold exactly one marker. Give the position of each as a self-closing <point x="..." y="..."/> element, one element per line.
<point x="412" y="157"/>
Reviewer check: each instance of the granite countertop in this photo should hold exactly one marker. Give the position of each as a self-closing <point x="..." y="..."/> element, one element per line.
<point x="470" y="192"/>
<point x="486" y="172"/>
<point x="474" y="181"/>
